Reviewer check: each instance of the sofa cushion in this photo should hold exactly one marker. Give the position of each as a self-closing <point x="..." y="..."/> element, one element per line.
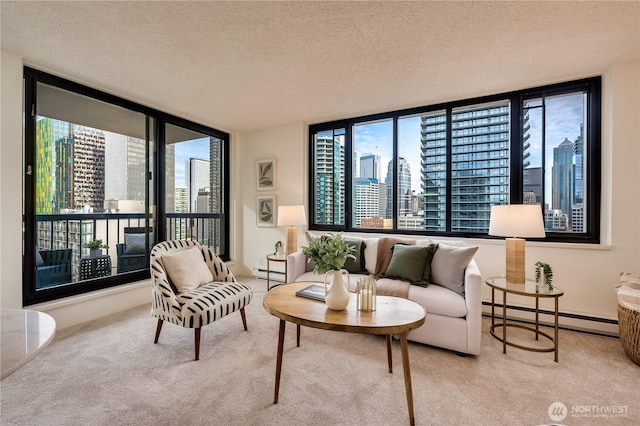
<point x="448" y="265"/>
<point x="407" y="263"/>
<point x="135" y="243"/>
<point x="439" y="300"/>
<point x="187" y="269"/>
<point x="357" y="265"/>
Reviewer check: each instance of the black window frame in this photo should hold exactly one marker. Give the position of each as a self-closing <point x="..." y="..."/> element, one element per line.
<point x="31" y="77"/>
<point x="592" y="86"/>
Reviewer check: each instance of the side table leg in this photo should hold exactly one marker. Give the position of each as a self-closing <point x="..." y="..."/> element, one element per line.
<point x="407" y="376"/>
<point x="268" y="273"/>
<point x="504" y="322"/>
<point x="556" y="330"/>
<point x="537" y="318"/>
<point x="279" y="361"/>
<point x="389" y="361"/>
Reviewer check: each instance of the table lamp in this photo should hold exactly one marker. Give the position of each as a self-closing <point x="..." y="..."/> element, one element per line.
<point x="516" y="221"/>
<point x="291" y="216"/>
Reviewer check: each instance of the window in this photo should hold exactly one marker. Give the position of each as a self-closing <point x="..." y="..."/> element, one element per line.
<point x="439" y="169"/>
<point x="90" y="206"/>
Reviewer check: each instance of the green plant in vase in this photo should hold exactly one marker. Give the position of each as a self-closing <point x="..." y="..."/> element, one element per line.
<point x="329" y="252"/>
<point x="544" y="269"/>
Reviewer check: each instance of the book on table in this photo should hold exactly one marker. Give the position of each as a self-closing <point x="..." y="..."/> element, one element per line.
<point x="314" y="291"/>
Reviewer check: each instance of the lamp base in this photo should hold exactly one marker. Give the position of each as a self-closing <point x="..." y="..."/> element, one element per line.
<point x="292" y="240"/>
<point x="515" y="260"/>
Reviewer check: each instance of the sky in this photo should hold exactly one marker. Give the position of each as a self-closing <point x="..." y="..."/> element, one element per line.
<point x="196" y="148"/>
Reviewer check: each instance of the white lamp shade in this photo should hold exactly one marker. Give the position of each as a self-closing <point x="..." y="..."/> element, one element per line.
<point x="291" y="216"/>
<point x="517" y="220"/>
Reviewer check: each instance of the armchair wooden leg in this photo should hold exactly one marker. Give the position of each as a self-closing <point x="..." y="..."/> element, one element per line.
<point x="244" y="319"/>
<point x="158" y="328"/>
<point x="197" y="335"/>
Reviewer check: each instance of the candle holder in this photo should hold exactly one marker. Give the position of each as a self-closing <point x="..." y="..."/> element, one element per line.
<point x="366" y="292"/>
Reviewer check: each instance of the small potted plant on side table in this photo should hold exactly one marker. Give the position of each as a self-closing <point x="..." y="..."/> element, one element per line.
<point x="95" y="248"/>
<point x="544" y="271"/>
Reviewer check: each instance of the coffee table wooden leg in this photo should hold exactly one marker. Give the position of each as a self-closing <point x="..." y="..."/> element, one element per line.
<point x="389" y="353"/>
<point x="298" y="335"/>
<point x="407" y="376"/>
<point x="279" y="360"/>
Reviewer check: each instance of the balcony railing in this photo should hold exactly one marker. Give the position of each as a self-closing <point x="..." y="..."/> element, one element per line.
<point x="63" y="238"/>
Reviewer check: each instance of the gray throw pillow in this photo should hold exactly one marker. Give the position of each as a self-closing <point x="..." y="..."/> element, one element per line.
<point x="356" y="266"/>
<point x="448" y="265"/>
<point x="135" y="243"/>
<point x="407" y="263"/>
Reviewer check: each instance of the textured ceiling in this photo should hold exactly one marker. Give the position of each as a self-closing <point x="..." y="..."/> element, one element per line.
<point x="242" y="66"/>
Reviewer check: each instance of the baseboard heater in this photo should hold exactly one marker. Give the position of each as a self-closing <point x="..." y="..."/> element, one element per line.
<point x="273" y="275"/>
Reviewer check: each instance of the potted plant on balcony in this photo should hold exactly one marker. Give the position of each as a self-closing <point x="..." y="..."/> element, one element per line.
<point x="95" y="248"/>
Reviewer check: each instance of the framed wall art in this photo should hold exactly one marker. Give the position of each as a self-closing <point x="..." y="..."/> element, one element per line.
<point x="266" y="174"/>
<point x="266" y="210"/>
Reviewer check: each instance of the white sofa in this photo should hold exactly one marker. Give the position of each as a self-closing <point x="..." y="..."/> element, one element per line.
<point x="453" y="321"/>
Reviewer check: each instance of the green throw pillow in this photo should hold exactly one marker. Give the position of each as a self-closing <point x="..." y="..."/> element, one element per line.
<point x="356" y="266"/>
<point x="407" y="263"/>
<point x="431" y="250"/>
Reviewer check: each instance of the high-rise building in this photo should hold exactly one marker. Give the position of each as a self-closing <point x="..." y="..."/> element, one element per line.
<point x="366" y="204"/>
<point x="370" y="166"/>
<point x="403" y="184"/>
<point x="329" y="186"/>
<point x="54" y="166"/>
<point x="88" y="168"/>
<point x="562" y="176"/>
<point x="479" y="166"/>
<point x="181" y="199"/>
<point x="197" y="176"/>
<point x="579" y="168"/>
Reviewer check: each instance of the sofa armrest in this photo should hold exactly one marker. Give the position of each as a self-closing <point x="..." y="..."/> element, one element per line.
<point x="296" y="266"/>
<point x="473" y="300"/>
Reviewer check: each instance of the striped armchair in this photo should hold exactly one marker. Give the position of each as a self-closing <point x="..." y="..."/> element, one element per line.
<point x="196" y="308"/>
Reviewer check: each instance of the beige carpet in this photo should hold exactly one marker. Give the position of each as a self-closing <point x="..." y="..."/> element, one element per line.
<point x="108" y="372"/>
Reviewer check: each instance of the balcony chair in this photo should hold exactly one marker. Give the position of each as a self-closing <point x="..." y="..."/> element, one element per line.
<point x="132" y="255"/>
<point x="193" y="287"/>
<point x="53" y="267"/>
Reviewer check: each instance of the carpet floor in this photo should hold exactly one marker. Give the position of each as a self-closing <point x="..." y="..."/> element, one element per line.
<point x="109" y="372"/>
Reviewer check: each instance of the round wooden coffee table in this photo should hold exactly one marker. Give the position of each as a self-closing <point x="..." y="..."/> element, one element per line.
<point x="393" y="315"/>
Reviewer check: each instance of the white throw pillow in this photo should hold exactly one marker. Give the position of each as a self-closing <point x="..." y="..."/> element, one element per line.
<point x="187" y="269"/>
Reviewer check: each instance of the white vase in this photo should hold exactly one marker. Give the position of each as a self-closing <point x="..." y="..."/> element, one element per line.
<point x="336" y="294"/>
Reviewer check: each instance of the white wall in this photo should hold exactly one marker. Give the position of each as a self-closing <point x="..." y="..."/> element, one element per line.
<point x="586" y="272"/>
<point x="288" y="145"/>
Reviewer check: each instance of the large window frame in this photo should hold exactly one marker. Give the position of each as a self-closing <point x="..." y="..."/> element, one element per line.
<point x="590" y="86"/>
<point x="156" y="216"/>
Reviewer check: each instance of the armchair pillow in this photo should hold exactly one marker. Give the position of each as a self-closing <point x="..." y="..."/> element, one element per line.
<point x="187" y="269"/>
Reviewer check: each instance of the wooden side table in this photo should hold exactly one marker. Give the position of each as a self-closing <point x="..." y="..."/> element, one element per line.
<point x="278" y="258"/>
<point x="529" y="289"/>
<point x="95" y="267"/>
